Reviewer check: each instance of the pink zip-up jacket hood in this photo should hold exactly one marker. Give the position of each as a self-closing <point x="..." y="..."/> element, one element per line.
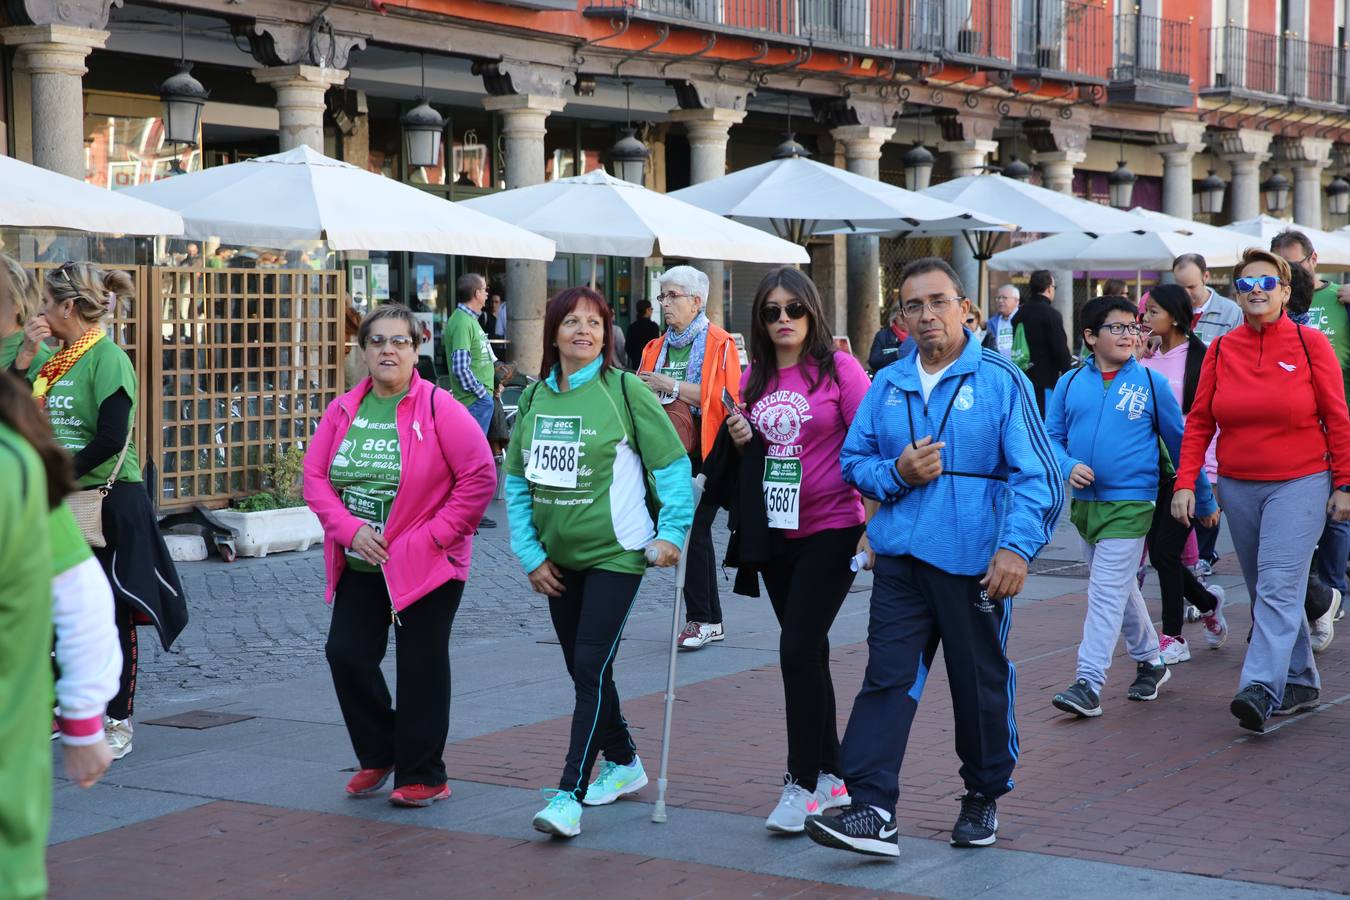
<point x="446" y="482"/>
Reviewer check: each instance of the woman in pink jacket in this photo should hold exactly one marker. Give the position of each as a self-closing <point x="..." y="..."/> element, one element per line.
<point x="399" y="475"/>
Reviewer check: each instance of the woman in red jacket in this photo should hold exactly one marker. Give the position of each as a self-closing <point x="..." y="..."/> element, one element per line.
<point x="1273" y="390"/>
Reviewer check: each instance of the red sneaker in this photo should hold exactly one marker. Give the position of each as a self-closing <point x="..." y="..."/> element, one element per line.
<point x="419" y="794"/>
<point x="368" y="781"/>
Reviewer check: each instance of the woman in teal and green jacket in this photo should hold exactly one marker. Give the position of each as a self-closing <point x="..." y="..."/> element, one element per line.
<point x="588" y="442"/>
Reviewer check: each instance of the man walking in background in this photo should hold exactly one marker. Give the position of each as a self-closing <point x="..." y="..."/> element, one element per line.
<point x="469" y="355"/>
<point x="1040" y="347"/>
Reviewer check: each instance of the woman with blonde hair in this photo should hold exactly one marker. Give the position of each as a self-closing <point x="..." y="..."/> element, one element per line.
<point x="18" y="304"/>
<point x="89" y="391"/>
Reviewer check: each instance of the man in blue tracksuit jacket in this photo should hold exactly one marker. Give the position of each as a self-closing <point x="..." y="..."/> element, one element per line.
<point x="951" y="444"/>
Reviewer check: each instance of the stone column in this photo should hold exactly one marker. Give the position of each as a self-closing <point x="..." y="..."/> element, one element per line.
<point x="1307" y="157"/>
<point x="523" y="117"/>
<point x="1057" y="172"/>
<point x="53" y="57"/>
<point x="1245" y="150"/>
<point x="300" y="101"/>
<point x="1188" y="139"/>
<point x="967" y="158"/>
<point x="708" y="131"/>
<point x="862" y="156"/>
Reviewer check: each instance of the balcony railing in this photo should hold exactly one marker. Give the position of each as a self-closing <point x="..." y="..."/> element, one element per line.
<point x="1054" y="38"/>
<point x="1068" y="37"/>
<point x="1152" y="49"/>
<point x="1243" y="61"/>
<point x="1312" y="72"/>
<point x="978" y="30"/>
<point x="876" y="25"/>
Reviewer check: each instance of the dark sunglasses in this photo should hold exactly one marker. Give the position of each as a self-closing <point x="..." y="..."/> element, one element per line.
<point x="1266" y="283"/>
<point x="795" y="310"/>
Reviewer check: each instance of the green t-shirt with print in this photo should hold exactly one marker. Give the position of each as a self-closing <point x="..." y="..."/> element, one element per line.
<point x="365" y="470"/>
<point x="1328" y="315"/>
<point x="73" y="402"/>
<point x="462" y="332"/>
<point x="677" y="363"/>
<point x="69" y="547"/>
<point x="9" y="351"/>
<point x="25" y="668"/>
<point x="603" y="522"/>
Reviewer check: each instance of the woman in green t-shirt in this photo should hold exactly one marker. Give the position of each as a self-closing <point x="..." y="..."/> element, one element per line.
<point x="36" y="476"/>
<point x="587" y="439"/>
<point x="89" y="391"/>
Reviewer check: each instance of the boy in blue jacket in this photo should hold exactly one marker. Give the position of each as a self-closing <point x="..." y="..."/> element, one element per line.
<point x="949" y="443"/>
<point x="1105" y="419"/>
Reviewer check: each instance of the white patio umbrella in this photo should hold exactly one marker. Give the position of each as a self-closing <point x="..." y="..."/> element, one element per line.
<point x="605" y="216"/>
<point x="1136" y="250"/>
<point x="796" y="198"/>
<point x="1333" y="250"/>
<point x="1034" y="209"/>
<point x="33" y="197"/>
<point x="303" y="195"/>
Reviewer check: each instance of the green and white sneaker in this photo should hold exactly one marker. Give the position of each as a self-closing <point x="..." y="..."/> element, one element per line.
<point x="614" y="782"/>
<point x="562" y="815"/>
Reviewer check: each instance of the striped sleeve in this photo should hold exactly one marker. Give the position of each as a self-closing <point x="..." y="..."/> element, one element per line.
<point x="1037" y="492"/>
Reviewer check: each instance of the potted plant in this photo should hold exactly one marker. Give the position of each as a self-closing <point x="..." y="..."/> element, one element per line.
<point x="277" y="519"/>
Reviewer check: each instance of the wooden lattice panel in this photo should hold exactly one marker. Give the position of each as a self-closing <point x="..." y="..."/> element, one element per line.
<point x="248" y="359"/>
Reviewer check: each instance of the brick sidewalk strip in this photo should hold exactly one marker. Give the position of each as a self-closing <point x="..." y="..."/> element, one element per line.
<point x="1172" y="785"/>
<point x="237" y="850"/>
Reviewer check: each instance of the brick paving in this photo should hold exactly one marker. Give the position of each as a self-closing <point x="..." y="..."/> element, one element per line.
<point x="1171" y="785"/>
<point x="239" y="850"/>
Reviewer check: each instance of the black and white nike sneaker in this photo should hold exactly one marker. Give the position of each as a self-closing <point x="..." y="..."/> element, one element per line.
<point x="858" y="827"/>
<point x="977" y="825"/>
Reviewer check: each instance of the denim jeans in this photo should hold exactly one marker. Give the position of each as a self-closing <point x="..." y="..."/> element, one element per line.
<point x="481" y="410"/>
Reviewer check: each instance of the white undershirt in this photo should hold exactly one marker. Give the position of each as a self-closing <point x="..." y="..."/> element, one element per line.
<point x="926" y="381"/>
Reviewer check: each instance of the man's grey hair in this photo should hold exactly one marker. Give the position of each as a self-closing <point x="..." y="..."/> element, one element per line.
<point x="688" y="279"/>
<point x="1009" y="287"/>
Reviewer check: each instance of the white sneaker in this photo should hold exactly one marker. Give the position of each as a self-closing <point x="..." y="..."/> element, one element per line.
<point x="118" y="734"/>
<point x="1216" y="626"/>
<point x="1173" y="649"/>
<point x="1323" y="629"/>
<point x="1192" y="614"/>
<point x="789" y="816"/>
<point x="831" y="793"/>
<point x="697" y="634"/>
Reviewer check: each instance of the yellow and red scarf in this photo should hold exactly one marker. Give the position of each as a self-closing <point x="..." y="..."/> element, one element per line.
<point x="54" y="369"/>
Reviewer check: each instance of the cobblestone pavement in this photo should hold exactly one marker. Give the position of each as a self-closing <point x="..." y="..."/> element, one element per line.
<point x="264" y="620"/>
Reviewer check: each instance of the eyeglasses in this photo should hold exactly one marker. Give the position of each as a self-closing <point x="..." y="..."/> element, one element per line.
<point x="971" y="321"/>
<point x="939" y="305"/>
<point x="397" y="341"/>
<point x="1267" y="283"/>
<point x="795" y="309"/>
<point x="670" y="297"/>
<point x="1119" y="328"/>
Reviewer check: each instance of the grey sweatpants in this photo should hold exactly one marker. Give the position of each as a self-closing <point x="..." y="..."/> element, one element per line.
<point x="1275" y="526"/>
<point x="1114" y="606"/>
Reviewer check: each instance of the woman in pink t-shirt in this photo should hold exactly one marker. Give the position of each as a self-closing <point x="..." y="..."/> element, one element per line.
<point x="801" y="395"/>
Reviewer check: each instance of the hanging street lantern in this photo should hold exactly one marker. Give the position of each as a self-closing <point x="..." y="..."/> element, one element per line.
<point x="423" y="129"/>
<point x="790" y="149"/>
<point x="1275" y="190"/>
<point x="183" y="98"/>
<point x="1016" y="169"/>
<point x="918" y="162"/>
<point x="1338" y="196"/>
<point x="1120" y="186"/>
<point x="628" y="158"/>
<point x="1209" y="194"/>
